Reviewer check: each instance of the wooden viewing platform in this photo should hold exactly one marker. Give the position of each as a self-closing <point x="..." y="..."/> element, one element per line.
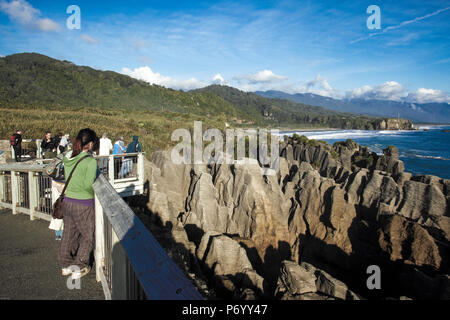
<point x="29" y="263"/>
<point x="129" y="262"/>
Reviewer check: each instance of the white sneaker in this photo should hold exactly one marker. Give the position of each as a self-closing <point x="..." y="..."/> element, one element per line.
<point x="66" y="271"/>
<point x="77" y="274"/>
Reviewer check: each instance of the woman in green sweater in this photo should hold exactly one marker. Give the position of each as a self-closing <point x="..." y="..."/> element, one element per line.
<point x="79" y="206"/>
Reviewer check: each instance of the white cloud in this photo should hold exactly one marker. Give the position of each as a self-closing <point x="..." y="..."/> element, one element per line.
<point x="264" y="76"/>
<point x="423" y="95"/>
<point x="2" y="56"/>
<point x="47" y="25"/>
<point x="89" y="39"/>
<point x="266" y="80"/>
<point x="390" y="90"/>
<point x="148" y="75"/>
<point x="25" y="14"/>
<point x="404" y="40"/>
<point x="218" y="79"/>
<point x="319" y="86"/>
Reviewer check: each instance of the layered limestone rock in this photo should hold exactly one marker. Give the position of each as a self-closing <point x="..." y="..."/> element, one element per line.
<point x="395" y="124"/>
<point x="236" y="200"/>
<point x="348" y="221"/>
<point x="227" y="260"/>
<point x="305" y="282"/>
<point x="340" y="209"/>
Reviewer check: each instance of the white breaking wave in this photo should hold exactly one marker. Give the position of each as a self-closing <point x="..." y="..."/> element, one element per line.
<point x="343" y="134"/>
<point x="431" y="157"/>
<point x="432" y="127"/>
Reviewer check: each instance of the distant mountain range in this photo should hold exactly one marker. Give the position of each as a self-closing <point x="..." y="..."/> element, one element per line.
<point x="416" y="112"/>
<point x="279" y="111"/>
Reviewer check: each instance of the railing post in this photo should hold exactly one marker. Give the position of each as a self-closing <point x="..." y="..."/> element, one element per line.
<point x="14" y="192"/>
<point x="13" y="153"/>
<point x="111" y="169"/>
<point x="99" y="239"/>
<point x="38" y="148"/>
<point x="33" y="193"/>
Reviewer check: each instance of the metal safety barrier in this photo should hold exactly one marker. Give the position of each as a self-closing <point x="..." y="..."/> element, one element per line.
<point x="130" y="263"/>
<point x="24" y="189"/>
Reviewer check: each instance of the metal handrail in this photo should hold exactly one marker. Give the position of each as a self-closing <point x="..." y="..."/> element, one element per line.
<point x="24" y="188"/>
<point x="26" y="191"/>
<point x="132" y="263"/>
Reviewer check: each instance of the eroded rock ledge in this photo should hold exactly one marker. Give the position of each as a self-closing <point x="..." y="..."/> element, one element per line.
<point x="310" y="232"/>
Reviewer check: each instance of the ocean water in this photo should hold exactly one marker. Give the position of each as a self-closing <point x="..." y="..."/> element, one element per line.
<point x="424" y="151"/>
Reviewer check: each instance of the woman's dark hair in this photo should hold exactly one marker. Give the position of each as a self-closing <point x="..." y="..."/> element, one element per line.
<point x="83" y="138"/>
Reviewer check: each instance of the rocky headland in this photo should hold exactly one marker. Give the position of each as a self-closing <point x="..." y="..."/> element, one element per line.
<point x="309" y="232"/>
<point x="394" y="124"/>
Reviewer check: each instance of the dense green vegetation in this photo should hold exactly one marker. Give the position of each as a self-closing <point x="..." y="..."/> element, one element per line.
<point x="30" y="79"/>
<point x="153" y="128"/>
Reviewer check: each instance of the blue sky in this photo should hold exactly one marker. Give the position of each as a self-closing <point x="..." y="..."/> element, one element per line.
<point x="323" y="47"/>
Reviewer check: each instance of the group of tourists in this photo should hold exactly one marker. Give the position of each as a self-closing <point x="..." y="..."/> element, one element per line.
<point x="106" y="147"/>
<point x="51" y="146"/>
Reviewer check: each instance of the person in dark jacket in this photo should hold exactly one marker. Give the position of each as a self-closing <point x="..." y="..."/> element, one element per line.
<point x="134" y="146"/>
<point x="48" y="146"/>
<point x="17" y="145"/>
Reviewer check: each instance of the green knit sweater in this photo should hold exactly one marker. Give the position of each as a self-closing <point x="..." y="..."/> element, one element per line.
<point x="80" y="186"/>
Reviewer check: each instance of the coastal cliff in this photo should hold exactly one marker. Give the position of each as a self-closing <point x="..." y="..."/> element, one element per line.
<point x="395" y="124"/>
<point x="310" y="232"/>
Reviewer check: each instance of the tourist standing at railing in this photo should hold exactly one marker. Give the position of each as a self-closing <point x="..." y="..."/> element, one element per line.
<point x="48" y="146"/>
<point x="78" y="207"/>
<point x="16" y="143"/>
<point x="119" y="146"/>
<point x="105" y="150"/>
<point x="63" y="144"/>
<point x="133" y="147"/>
